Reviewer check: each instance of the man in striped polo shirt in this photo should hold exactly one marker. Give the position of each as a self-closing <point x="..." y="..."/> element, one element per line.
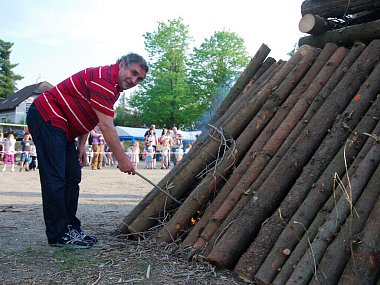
<point x="67" y="112"/>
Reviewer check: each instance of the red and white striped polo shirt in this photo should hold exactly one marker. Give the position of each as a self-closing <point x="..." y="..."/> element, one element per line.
<point x="69" y="105"/>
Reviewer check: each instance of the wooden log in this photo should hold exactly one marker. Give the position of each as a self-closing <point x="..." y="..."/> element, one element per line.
<point x="257" y="145"/>
<point x="347" y="36"/>
<point x="304" y="269"/>
<point x="252" y="259"/>
<point x="364" y="265"/>
<point x="236" y="239"/>
<point x="337" y="8"/>
<point x="338" y="253"/>
<point x="314" y="24"/>
<point x="242" y="81"/>
<point x="314" y="107"/>
<point x="321" y="191"/>
<point x="321" y="76"/>
<point x="202" y="192"/>
<point x="181" y="179"/>
<point x="204" y="145"/>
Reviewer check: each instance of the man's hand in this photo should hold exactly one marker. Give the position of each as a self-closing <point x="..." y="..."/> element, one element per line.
<point x="82" y="156"/>
<point x="127" y="166"/>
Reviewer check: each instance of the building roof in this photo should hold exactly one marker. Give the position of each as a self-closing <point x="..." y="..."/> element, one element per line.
<point x="12" y="101"/>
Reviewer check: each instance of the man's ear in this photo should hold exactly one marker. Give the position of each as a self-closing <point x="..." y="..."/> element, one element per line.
<point x="121" y="64"/>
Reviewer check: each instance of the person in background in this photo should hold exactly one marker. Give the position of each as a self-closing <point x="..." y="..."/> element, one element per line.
<point x="9" y="151"/>
<point x="25" y="151"/>
<point x="134" y="152"/>
<point x="97" y="148"/>
<point x="177" y="141"/>
<point x="179" y="153"/>
<point x="149" y="153"/>
<point x="71" y="110"/>
<point x="1" y="146"/>
<point x="151" y="135"/>
<point x="109" y="157"/>
<point x="33" y="158"/>
<point x="165" y="153"/>
<point x="188" y="147"/>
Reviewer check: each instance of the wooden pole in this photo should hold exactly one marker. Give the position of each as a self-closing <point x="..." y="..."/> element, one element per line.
<point x="202" y="192"/>
<point x="251" y="261"/>
<point x="236" y="239"/>
<point x="346" y="36"/>
<point x="337" y="254"/>
<point x="304" y="269"/>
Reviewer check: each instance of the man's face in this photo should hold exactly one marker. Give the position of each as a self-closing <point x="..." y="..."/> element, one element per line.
<point x="130" y="76"/>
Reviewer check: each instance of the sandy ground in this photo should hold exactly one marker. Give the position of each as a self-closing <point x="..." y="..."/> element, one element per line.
<point x="106" y="197"/>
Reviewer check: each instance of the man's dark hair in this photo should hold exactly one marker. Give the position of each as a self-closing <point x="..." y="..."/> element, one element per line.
<point x="133" y="58"/>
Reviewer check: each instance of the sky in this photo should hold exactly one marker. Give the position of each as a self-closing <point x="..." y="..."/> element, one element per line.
<point x="55" y="38"/>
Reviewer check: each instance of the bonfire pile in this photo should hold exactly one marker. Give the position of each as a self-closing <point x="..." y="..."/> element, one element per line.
<point x="283" y="185"/>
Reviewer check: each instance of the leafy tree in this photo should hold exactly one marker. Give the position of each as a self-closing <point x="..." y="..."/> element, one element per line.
<point x="181" y="87"/>
<point x="215" y="66"/>
<point x="160" y="98"/>
<point x="7" y="77"/>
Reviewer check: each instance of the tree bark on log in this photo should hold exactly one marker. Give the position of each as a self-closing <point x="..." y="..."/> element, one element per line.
<point x="324" y="188"/>
<point x="314" y="24"/>
<point x="337" y="8"/>
<point x="251" y="261"/>
<point x="319" y="193"/>
<point x="346" y="36"/>
<point x="338" y="253"/>
<point x="316" y="78"/>
<point x="304" y="269"/>
<point x="202" y="192"/>
<point x="257" y="145"/>
<point x="242" y="81"/>
<point x="314" y="107"/>
<point x="204" y="145"/>
<point x="364" y="264"/>
<point x="236" y="239"/>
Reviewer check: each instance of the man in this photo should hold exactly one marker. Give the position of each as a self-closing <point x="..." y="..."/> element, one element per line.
<point x="69" y="111"/>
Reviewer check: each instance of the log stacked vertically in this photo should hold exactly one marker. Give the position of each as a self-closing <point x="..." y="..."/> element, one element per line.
<point x="263" y="178"/>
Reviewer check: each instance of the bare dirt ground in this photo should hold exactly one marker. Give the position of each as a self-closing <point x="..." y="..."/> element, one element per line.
<point x="106" y="198"/>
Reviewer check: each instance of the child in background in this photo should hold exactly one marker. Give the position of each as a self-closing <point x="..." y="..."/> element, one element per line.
<point x="9" y="151"/>
<point x="165" y="153"/>
<point x="149" y="152"/>
<point x="179" y="153"/>
<point x="134" y="153"/>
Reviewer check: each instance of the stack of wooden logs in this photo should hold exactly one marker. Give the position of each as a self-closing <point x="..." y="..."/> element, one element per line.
<point x="339" y="21"/>
<point x="283" y="185"/>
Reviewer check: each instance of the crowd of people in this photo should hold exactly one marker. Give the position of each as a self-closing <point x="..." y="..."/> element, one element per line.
<point x="25" y="154"/>
<point x="163" y="150"/>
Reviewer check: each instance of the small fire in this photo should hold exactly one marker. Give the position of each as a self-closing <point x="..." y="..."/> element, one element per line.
<point x="196" y="218"/>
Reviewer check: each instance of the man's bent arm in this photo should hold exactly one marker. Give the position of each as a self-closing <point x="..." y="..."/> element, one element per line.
<point x="112" y="139"/>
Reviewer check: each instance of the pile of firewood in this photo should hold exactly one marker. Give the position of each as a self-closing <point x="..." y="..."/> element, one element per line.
<point x="283" y="185"/>
<point x="339" y="21"/>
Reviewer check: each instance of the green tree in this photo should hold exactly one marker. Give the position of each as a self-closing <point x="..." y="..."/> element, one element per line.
<point x="182" y="87"/>
<point x="160" y="98"/>
<point x="7" y="77"/>
<point x="215" y="66"/>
